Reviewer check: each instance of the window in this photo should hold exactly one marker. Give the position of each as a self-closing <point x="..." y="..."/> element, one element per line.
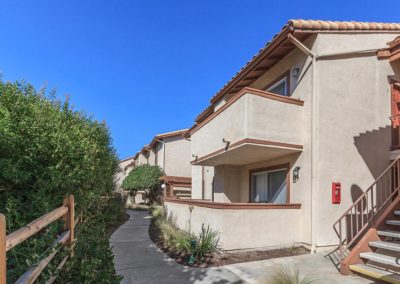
<point x="281" y="86"/>
<point x="269" y="186"/>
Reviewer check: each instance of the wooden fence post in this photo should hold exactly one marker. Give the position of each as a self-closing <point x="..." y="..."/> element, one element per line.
<point x="3" y="256"/>
<point x="69" y="220"/>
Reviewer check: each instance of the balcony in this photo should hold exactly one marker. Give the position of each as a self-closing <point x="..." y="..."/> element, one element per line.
<point x="190" y="215"/>
<point x="253" y="126"/>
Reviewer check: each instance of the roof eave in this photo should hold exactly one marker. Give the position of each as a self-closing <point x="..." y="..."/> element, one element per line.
<point x="276" y="41"/>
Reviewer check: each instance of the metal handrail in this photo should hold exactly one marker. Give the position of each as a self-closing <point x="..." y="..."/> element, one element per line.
<point x="372" y="201"/>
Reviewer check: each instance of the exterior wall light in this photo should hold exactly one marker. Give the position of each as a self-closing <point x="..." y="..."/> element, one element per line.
<point x="226" y="142"/>
<point x="296" y="171"/>
<point x="296" y="72"/>
<point x="195" y="157"/>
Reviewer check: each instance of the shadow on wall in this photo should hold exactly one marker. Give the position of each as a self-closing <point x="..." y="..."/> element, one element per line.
<point x="356" y="192"/>
<point x="373" y="147"/>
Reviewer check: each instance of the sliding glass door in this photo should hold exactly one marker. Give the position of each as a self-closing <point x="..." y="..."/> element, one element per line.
<point x="269" y="186"/>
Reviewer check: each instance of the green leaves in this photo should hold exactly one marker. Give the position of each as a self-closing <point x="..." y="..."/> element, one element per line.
<point x="48" y="150"/>
<point x="142" y="178"/>
<point x="147" y="178"/>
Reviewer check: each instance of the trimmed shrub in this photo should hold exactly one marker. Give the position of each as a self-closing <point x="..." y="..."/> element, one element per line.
<point x="47" y="151"/>
<point x="147" y="178"/>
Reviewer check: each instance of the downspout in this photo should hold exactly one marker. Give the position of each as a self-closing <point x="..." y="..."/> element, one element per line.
<point x="311" y="54"/>
<point x="202" y="182"/>
<point x="314" y="123"/>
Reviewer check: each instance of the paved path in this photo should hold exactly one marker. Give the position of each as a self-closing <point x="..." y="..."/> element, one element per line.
<point x="316" y="266"/>
<point x="138" y="260"/>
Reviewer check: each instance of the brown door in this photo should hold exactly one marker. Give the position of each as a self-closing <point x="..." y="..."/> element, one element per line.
<point x="395" y="116"/>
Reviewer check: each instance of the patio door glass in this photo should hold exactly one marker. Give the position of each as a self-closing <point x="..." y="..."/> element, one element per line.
<point x="269" y="186"/>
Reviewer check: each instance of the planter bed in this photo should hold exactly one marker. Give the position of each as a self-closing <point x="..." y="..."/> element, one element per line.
<point x="222" y="257"/>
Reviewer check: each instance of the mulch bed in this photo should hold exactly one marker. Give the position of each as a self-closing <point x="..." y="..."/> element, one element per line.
<point x="223" y="257"/>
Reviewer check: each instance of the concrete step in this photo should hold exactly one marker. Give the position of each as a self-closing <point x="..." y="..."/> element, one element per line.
<point x="381" y="258"/>
<point x="376" y="273"/>
<point x="393" y="234"/>
<point x="393" y="222"/>
<point x="385" y="245"/>
<point x="397" y="213"/>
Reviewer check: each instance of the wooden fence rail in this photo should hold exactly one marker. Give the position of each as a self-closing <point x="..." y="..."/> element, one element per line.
<point x="7" y="242"/>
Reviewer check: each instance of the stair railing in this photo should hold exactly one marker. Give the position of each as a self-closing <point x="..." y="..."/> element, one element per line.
<point x="361" y="214"/>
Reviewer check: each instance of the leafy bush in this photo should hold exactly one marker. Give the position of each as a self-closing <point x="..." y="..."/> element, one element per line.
<point x="205" y="244"/>
<point x="144" y="177"/>
<point x="93" y="241"/>
<point x="286" y="275"/>
<point x="48" y="150"/>
<point x="196" y="247"/>
<point x="157" y="212"/>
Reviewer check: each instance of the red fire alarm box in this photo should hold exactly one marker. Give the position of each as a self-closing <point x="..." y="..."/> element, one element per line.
<point x="336" y="195"/>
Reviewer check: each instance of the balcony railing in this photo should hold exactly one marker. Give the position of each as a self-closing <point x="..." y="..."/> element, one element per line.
<point x="363" y="212"/>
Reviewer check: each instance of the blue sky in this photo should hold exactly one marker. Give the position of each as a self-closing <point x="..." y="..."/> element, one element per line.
<point x="149" y="67"/>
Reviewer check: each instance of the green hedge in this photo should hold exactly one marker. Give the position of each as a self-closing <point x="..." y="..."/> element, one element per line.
<point x="147" y="178"/>
<point x="48" y="150"/>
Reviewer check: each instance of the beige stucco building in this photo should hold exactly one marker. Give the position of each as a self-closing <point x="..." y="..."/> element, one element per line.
<point x="311" y="110"/>
<point x="171" y="152"/>
<point x="125" y="167"/>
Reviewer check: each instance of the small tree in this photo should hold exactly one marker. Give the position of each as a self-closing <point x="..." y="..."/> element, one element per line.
<point x="146" y="178"/>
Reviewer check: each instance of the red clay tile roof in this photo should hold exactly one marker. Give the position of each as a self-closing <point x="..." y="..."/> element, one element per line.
<point x="304" y="26"/>
<point x="166" y="135"/>
<point x="307" y="25"/>
<point x="315" y="26"/>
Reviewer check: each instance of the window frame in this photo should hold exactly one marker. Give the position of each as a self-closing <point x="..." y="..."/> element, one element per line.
<point x="284" y="77"/>
<point x="270" y="169"/>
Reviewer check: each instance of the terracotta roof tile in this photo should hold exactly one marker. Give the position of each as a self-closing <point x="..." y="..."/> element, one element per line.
<point x="304" y="26"/>
<point x="318" y="25"/>
<point x="342" y="26"/>
<point x="166" y="135"/>
<point x="172" y="133"/>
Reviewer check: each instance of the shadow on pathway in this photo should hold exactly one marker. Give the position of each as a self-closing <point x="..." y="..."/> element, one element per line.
<point x="139" y="260"/>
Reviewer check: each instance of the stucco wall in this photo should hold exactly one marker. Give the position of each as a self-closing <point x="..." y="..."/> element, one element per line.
<point x="227" y="184"/>
<point x="230" y="124"/>
<point x="353" y="127"/>
<point x="159" y="152"/>
<point x="152" y="157"/>
<point x="122" y="172"/>
<point x="202" y="179"/>
<point x="243" y="228"/>
<point x="352" y="123"/>
<point x="232" y="185"/>
<point x="251" y="116"/>
<point x="301" y="122"/>
<point x="141" y="159"/>
<point x="177" y="157"/>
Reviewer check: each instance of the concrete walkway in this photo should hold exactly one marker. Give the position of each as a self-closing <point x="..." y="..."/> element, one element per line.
<point x="138" y="260"/>
<point x="315" y="266"/>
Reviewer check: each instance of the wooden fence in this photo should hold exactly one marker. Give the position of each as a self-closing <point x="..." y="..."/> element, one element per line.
<point x="7" y="242"/>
